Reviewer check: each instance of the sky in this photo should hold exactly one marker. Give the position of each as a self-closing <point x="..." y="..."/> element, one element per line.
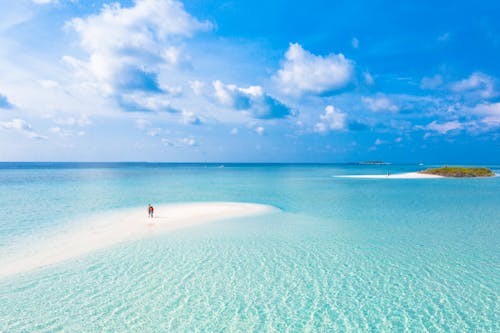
<point x="250" y="81"/>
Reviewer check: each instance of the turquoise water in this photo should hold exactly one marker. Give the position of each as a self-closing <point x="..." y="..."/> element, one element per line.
<point x="343" y="255"/>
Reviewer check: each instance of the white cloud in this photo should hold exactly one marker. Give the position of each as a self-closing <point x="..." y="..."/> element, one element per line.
<point x="478" y="84"/>
<point x="444" y="128"/>
<point x="148" y="128"/>
<point x="44" y="2"/>
<point x="190" y="118"/>
<point x="21" y="126"/>
<point x="142" y="123"/>
<point x="490" y="113"/>
<point x="481" y="118"/>
<point x="66" y="132"/>
<point x="369" y="80"/>
<point x="126" y="46"/>
<point x="355" y="43"/>
<point x="252" y="99"/>
<point x="197" y="86"/>
<point x="49" y="84"/>
<point x="172" y="55"/>
<point x="486" y="109"/>
<point x="189" y="141"/>
<point x="225" y="94"/>
<point x="234" y="131"/>
<point x="379" y="103"/>
<point x="332" y="120"/>
<point x="491" y="122"/>
<point x="431" y="82"/>
<point x="17" y="124"/>
<point x="320" y="128"/>
<point x="180" y="143"/>
<point x="171" y="90"/>
<point x="260" y="130"/>
<point x="154" y="131"/>
<point x="81" y="121"/>
<point x="141" y="101"/>
<point x="304" y="72"/>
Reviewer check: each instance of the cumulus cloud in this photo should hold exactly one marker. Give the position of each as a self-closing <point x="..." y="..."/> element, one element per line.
<point x="172" y="90"/>
<point x="144" y="102"/>
<point x="487" y="109"/>
<point x="379" y="103"/>
<point x="49" y="84"/>
<point x="44" y="2"/>
<point x="303" y="72"/>
<point x="332" y="119"/>
<point x="190" y="118"/>
<point x="480" y="118"/>
<point x="431" y="82"/>
<point x="180" y="142"/>
<point x="252" y="99"/>
<point x="23" y="127"/>
<point x="197" y="86"/>
<point x="4" y="102"/>
<point x="443" y="128"/>
<point x="490" y="113"/>
<point x="260" y="130"/>
<point x="478" y="84"/>
<point x="127" y="47"/>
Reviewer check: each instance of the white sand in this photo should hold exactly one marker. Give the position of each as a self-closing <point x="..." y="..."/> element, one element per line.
<point x="104" y="230"/>
<point x="408" y="175"/>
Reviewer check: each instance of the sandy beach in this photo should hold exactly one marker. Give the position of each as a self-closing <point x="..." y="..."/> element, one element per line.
<point x="104" y="230"/>
<point x="407" y="175"/>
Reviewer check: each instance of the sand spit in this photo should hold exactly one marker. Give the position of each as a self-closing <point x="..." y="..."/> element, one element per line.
<point x="104" y="230"/>
<point x="408" y="175"/>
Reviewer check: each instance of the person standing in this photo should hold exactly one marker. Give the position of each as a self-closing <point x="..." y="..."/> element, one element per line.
<point x="151" y="211"/>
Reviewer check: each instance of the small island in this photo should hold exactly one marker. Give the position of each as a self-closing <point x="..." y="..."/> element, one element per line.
<point x="373" y="163"/>
<point x="459" y="172"/>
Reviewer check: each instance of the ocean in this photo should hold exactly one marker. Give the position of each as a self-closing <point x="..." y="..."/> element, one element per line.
<point x="342" y="254"/>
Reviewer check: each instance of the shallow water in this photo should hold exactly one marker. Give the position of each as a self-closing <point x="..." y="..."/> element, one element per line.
<point x="344" y="254"/>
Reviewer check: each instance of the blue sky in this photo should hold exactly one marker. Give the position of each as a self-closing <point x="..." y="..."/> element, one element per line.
<point x="250" y="81"/>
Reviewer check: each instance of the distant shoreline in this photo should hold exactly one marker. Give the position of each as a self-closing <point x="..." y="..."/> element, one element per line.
<point x="407" y="175"/>
<point x="373" y="163"/>
<point x="100" y="164"/>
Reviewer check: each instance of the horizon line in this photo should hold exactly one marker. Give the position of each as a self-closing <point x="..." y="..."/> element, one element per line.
<point x="255" y="162"/>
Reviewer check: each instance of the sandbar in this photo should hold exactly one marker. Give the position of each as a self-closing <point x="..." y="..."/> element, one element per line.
<point x="106" y="229"/>
<point x="407" y="175"/>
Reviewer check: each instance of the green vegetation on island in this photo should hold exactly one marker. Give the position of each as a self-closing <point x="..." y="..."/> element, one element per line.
<point x="459" y="172"/>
